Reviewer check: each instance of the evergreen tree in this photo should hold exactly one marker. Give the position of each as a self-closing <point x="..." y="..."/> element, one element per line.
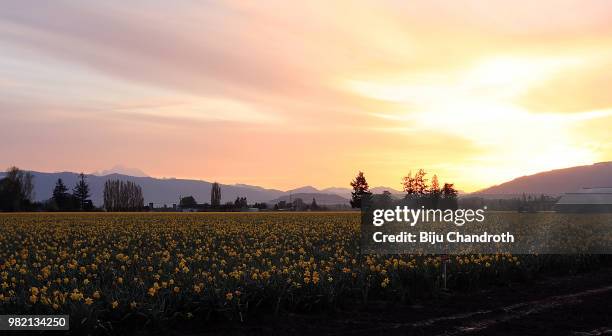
<point x="449" y="190"/>
<point x="435" y="192"/>
<point x="407" y="183"/>
<point x="81" y="191"/>
<point x="417" y="185"/>
<point x="361" y="190"/>
<point x="61" y="195"/>
<point x="314" y="206"/>
<point x="420" y="182"/>
<point x="449" y="196"/>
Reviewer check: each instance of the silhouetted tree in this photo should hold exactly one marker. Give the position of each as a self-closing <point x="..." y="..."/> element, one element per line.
<point x="261" y="206"/>
<point x="122" y="196"/>
<point x="435" y="192"/>
<point x="188" y="202"/>
<point x="449" y="196"/>
<point x="449" y="191"/>
<point x="16" y="190"/>
<point x="61" y="197"/>
<point x="10" y="199"/>
<point x="25" y="180"/>
<point x="215" y="195"/>
<point x="81" y="192"/>
<point x="361" y="190"/>
<point x="241" y="203"/>
<point x="420" y="182"/>
<point x="417" y="185"/>
<point x="416" y="190"/>
<point x="407" y="184"/>
<point x="313" y="205"/>
<point x="418" y="193"/>
<point x="384" y="200"/>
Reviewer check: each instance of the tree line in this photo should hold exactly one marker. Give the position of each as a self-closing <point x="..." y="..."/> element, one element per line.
<point x="79" y="200"/>
<point x="298" y="204"/>
<point x="17" y="194"/>
<point x="122" y="196"/>
<point x="16" y="190"/>
<point x="418" y="192"/>
<point x="241" y="203"/>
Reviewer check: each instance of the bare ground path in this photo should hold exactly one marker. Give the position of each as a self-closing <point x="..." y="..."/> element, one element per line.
<point x="577" y="305"/>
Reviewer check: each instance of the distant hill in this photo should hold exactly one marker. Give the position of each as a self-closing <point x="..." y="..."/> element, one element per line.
<point x="343" y="192"/>
<point x="346" y="192"/>
<point x="555" y="182"/>
<point x="167" y="191"/>
<point x="380" y="190"/>
<point x="306" y="189"/>
<point x="322" y="199"/>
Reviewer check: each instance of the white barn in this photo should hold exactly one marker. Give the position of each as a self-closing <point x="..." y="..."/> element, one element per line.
<point x="586" y="200"/>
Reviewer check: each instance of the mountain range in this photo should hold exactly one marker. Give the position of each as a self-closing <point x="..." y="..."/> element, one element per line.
<point x="555" y="182"/>
<point x="167" y="191"/>
<point x="120" y="169"/>
<point x="159" y="191"/>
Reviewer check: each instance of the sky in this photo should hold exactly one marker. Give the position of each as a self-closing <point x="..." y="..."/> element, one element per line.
<point x="285" y="94"/>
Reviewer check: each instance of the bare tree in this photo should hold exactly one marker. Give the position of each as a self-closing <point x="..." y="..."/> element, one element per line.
<point x="16" y="189"/>
<point x="122" y="196"/>
<point x="215" y="195"/>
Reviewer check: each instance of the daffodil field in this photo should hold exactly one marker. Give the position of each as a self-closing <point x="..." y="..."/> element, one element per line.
<point x="104" y="267"/>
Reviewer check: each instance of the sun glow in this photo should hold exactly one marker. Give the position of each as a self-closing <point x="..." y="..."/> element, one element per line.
<point x="478" y="104"/>
<point x="478" y="93"/>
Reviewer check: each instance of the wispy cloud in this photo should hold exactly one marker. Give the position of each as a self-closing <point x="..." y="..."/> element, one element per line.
<point x="289" y="88"/>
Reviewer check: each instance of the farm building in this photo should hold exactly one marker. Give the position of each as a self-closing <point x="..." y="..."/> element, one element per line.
<point x="586" y="200"/>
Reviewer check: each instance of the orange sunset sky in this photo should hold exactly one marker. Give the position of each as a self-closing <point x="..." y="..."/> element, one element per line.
<point x="283" y="94"/>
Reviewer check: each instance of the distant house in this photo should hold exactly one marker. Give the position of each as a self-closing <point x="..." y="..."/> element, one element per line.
<point x="586" y="200"/>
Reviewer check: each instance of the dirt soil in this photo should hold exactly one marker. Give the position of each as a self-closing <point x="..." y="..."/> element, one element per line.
<point x="577" y="305"/>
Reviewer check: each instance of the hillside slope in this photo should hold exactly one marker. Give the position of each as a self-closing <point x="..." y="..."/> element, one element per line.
<point x="556" y="182"/>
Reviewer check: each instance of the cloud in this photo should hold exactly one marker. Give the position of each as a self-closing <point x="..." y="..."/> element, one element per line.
<point x="573" y="90"/>
<point x="309" y="82"/>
